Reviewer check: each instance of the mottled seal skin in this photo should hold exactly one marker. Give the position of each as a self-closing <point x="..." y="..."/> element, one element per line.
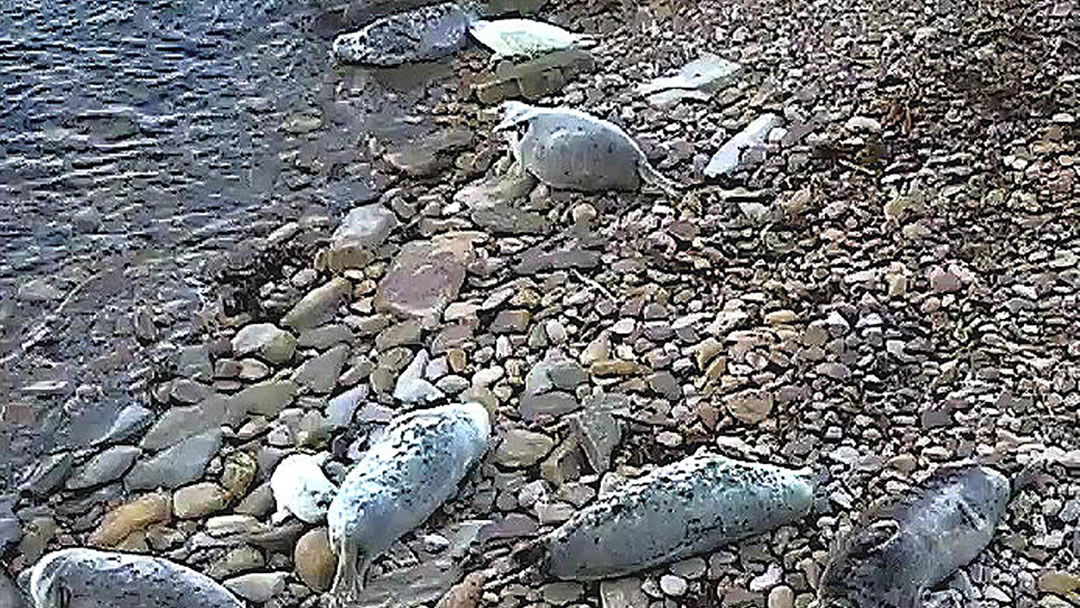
<point x="903" y="548"/>
<point x="86" y="578"/>
<point x="689" y="507"/>
<point x="301" y="488"/>
<point x="401" y="480"/>
<point x="424" y="34"/>
<point x="572" y="150"/>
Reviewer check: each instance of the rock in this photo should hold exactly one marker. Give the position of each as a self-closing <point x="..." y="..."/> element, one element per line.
<point x="520" y="448"/>
<point x="39" y="532"/>
<point x="244" y="558"/>
<point x="265" y="340"/>
<point x="622" y="593"/>
<point x="534" y="78"/>
<point x="862" y="124"/>
<point x="673" y="586"/>
<point x="315" y="561"/>
<point x="340" y="409"/>
<point x="180" y="423"/>
<point x="554" y="403"/>
<point x="38" y="290"/>
<point x="698" y="80"/>
<point x="561" y="593"/>
<point x="325" y="336"/>
<point x="465" y="594"/>
<point x="258" y="587"/>
<point x="239" y="473"/>
<point x="199" y="500"/>
<point x="263" y="399"/>
<point x="767" y="580"/>
<point x="130" y="517"/>
<point x="129" y="421"/>
<point x="10" y="527"/>
<point x="425" y="276"/>
<point x="781" y="596"/>
<point x="511" y="322"/>
<point x="411" y="386"/>
<point x="616" y="367"/>
<point x="402" y="334"/>
<point x="10" y="596"/>
<point x="360" y="234"/>
<point x="319" y="306"/>
<point x="750" y="407"/>
<point x="50" y="474"/>
<point x="320" y="374"/>
<point x="729" y="157"/>
<point x="107" y="466"/>
<point x="176" y="466"/>
<point x="259" y="503"/>
<point x="597" y="430"/>
<point x="944" y="281"/>
<point x="1063" y="583"/>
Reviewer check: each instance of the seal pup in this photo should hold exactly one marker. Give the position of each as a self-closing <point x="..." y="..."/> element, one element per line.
<point x="508" y="38"/>
<point x="679" y="510"/>
<point x="399" y="482"/>
<point x="87" y="578"/>
<point x="427" y="33"/>
<point x="301" y="488"/>
<point x="573" y="150"/>
<point x="902" y="548"/>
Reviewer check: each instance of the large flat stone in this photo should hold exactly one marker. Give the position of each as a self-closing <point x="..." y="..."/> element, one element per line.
<point x="363" y="230"/>
<point x="265" y="398"/>
<point x="181" y="464"/>
<point x="265" y="340"/>
<point x="319" y="306"/>
<point x="426" y="276"/>
<point x="107" y="466"/>
<point x="180" y="423"/>
<point x="320" y="374"/>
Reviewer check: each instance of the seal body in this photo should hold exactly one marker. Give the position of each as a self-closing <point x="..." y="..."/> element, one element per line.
<point x="401" y="480"/>
<point x="903" y="548"/>
<point x="679" y="510"/>
<point x="301" y="488"/>
<point x="86" y="578"/>
<point x="523" y="37"/>
<point x="424" y="34"/>
<point x="573" y="150"/>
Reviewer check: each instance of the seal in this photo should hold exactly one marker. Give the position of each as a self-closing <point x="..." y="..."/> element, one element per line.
<point x="399" y="482"/>
<point x="573" y="150"/>
<point x="301" y="489"/>
<point x="903" y="547"/>
<point x="87" y="578"/>
<point x="424" y="34"/>
<point x="679" y="510"/>
<point x="524" y="37"/>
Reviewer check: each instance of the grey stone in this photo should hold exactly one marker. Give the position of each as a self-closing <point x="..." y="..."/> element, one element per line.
<point x="411" y="386"/>
<point x="698" y="80"/>
<point x="509" y="219"/>
<point x="319" y="306"/>
<point x="129" y="421"/>
<point x="729" y="157"/>
<point x="320" y="374"/>
<point x="597" y="430"/>
<point x="259" y="503"/>
<point x="10" y="596"/>
<point x="324" y="337"/>
<point x="554" y="403"/>
<point x="241" y="559"/>
<point x="50" y="474"/>
<point x="521" y="448"/>
<point x="340" y="409"/>
<point x="665" y="384"/>
<point x="265" y="340"/>
<point x="183" y="463"/>
<point x="258" y="587"/>
<point x="401" y="334"/>
<point x="107" y="466"/>
<point x="622" y="593"/>
<point x="362" y="231"/>
<point x="264" y="399"/>
<point x="180" y="423"/>
<point x="425" y="276"/>
<point x="194" y="362"/>
<point x="511" y="322"/>
<point x="10" y="526"/>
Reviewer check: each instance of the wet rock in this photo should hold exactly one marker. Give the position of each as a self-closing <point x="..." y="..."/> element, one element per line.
<point x="520" y="448"/>
<point x="319" y="306"/>
<point x="425" y="276"/>
<point x="424" y="157"/>
<point x="750" y="407"/>
<point x="622" y="593"/>
<point x="411" y="386"/>
<point x="360" y="234"/>
<point x="50" y="474"/>
<point x="465" y="594"/>
<point x="340" y="409"/>
<point x="265" y="340"/>
<point x="38" y="290"/>
<point x="241" y="559"/>
<point x="315" y="561"/>
<point x="258" y="587"/>
<point x="194" y="363"/>
<point x="730" y="156"/>
<point x="320" y="374"/>
<point x="130" y="517"/>
<point x="199" y="500"/>
<point x="183" y="463"/>
<point x="107" y="466"/>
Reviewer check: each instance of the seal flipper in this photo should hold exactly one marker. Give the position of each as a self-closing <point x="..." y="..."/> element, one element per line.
<point x="350" y="577"/>
<point x="651" y="176"/>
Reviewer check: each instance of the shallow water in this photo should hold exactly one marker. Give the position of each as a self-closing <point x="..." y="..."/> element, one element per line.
<point x="138" y="139"/>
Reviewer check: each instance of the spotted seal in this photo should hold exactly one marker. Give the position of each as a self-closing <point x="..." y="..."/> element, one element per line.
<point x="905" y="546"/>
<point x="427" y="33"/>
<point x="301" y="488"/>
<point x="87" y="578"/>
<point x="682" y="509"/>
<point x="573" y="150"/>
<point x="399" y="482"/>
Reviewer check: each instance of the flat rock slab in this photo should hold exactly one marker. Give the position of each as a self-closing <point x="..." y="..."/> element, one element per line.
<point x="729" y="157"/>
<point x="698" y="80"/>
<point x="107" y="466"/>
<point x="181" y="464"/>
<point x="265" y="340"/>
<point x="425" y="276"/>
<point x="180" y="423"/>
<point x="535" y="78"/>
<point x="320" y="374"/>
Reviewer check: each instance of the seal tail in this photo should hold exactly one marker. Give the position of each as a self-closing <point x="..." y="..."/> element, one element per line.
<point x="654" y="178"/>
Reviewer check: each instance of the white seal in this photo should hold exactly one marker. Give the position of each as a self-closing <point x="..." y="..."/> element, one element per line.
<point x="86" y="578"/>
<point x="401" y="480"/>
<point x="301" y="488"/>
